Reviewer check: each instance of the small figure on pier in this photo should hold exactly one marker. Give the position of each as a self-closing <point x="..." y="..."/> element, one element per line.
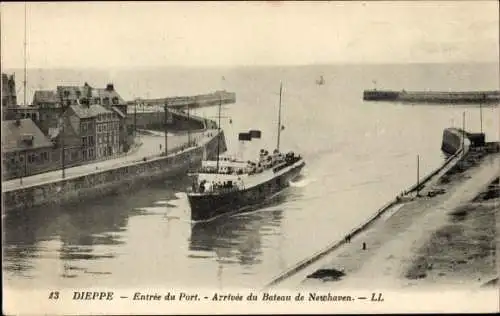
<point x="364" y="246"/>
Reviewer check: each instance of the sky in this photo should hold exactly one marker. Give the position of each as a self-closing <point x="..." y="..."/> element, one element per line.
<point x="152" y="34"/>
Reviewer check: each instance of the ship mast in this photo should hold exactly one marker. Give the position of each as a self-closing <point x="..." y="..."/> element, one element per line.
<point x="279" y="119"/>
<point x="25" y="59"/>
<point x="218" y="133"/>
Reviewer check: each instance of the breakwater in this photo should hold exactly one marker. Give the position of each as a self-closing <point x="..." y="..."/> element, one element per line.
<point x="209" y="99"/>
<point x="103" y="182"/>
<point x="439" y="97"/>
<point x="175" y="121"/>
<point x="448" y="163"/>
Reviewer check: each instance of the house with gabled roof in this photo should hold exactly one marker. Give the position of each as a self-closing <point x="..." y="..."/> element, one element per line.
<point x="83" y="102"/>
<point x="91" y="132"/>
<point x="25" y="149"/>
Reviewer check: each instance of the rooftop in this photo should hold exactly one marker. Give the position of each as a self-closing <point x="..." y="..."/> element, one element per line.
<point x="22" y="135"/>
<point x="77" y="92"/>
<point x="93" y="110"/>
<point x="44" y="96"/>
<point x="118" y="111"/>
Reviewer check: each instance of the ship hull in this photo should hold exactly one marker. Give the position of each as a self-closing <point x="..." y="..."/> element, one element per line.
<point x="206" y="207"/>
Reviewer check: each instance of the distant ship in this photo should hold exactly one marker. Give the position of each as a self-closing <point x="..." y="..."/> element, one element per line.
<point x="228" y="185"/>
<point x="320" y="81"/>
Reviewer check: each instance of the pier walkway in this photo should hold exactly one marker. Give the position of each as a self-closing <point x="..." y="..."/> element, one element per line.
<point x="150" y="148"/>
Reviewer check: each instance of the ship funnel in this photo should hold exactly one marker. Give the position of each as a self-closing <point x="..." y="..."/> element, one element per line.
<point x="243" y="138"/>
<point x="256" y="136"/>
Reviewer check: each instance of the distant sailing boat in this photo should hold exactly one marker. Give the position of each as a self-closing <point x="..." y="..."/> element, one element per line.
<point x="320" y="81"/>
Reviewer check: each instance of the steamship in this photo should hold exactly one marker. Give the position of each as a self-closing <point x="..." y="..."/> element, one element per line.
<point x="229" y="185"/>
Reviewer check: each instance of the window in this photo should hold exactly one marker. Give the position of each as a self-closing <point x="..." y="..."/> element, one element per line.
<point x="78" y="93"/>
<point x="91" y="140"/>
<point x="84" y="141"/>
<point x="91" y="153"/>
<point x="31" y="158"/>
<point x="84" y="127"/>
<point x="115" y="100"/>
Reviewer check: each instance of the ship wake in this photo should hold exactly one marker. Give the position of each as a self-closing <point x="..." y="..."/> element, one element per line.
<point x="301" y="182"/>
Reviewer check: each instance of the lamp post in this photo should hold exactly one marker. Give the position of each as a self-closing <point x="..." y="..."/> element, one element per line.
<point x="62" y="137"/>
<point x="165" y="121"/>
<point x="189" y="127"/>
<point x="481" y="112"/>
<point x="463" y="134"/>
<point x="135" y="117"/>
<point x="418" y="175"/>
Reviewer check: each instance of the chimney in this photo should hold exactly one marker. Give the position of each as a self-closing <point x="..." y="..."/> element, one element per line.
<point x="110" y="87"/>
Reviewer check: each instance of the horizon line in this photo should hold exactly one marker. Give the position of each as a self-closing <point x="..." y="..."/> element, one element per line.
<point x="251" y="66"/>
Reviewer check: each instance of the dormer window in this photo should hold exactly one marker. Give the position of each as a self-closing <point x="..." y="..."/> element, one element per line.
<point x="27" y="139"/>
<point x="115" y="100"/>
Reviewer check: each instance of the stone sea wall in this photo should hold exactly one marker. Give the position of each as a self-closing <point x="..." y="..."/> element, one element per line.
<point x="101" y="183"/>
<point x="438" y="97"/>
<point x="176" y="122"/>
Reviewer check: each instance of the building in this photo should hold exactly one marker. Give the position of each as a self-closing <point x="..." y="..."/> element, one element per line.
<point x="9" y="95"/>
<point x="107" y="134"/>
<point x="45" y="99"/>
<point x="72" y="95"/>
<point x="49" y="109"/>
<point x="89" y="132"/>
<point x="123" y="138"/>
<point x="51" y="105"/>
<point x="22" y="112"/>
<point x="25" y="149"/>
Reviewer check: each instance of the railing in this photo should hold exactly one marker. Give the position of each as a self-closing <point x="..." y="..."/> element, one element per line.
<point x="218" y="190"/>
